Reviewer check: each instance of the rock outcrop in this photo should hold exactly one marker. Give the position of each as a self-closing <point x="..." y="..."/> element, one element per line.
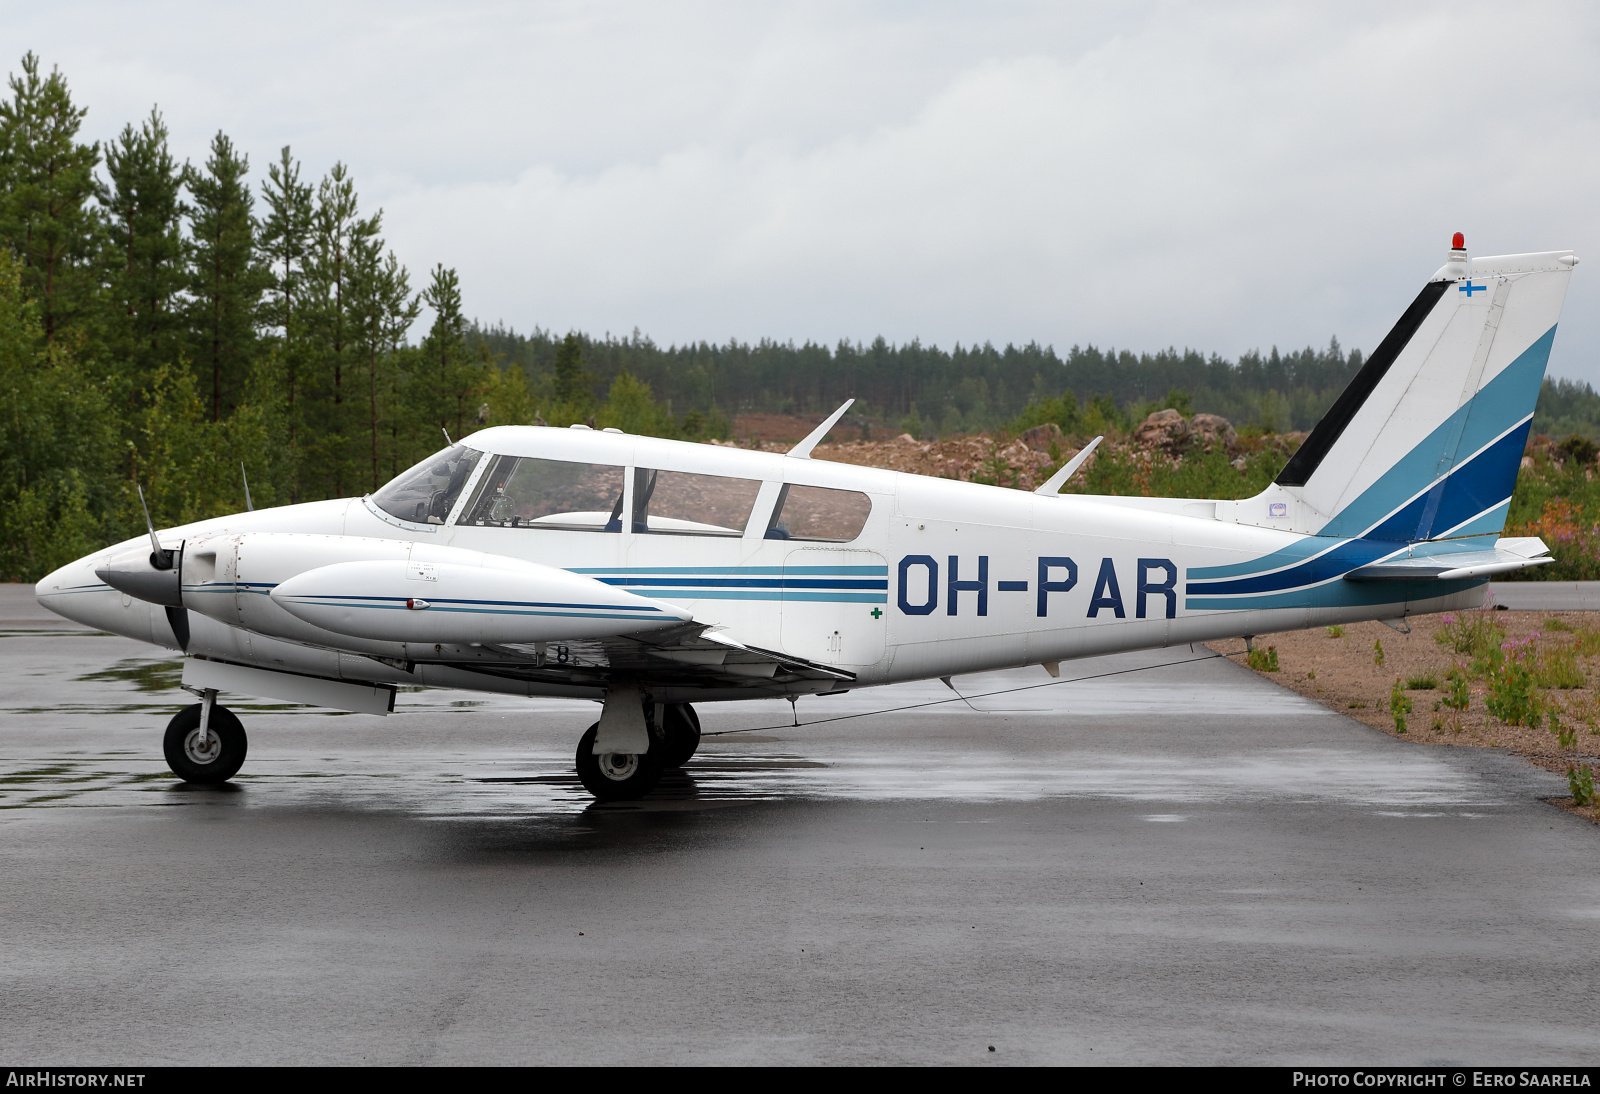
<point x="1041" y="437"/>
<point x="1165" y="429"/>
<point x="1206" y="430"/>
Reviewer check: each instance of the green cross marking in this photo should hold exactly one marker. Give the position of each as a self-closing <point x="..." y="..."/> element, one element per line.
<point x="877" y="613"/>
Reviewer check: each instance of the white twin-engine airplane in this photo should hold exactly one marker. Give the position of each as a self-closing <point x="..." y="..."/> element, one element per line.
<point x="649" y="574"/>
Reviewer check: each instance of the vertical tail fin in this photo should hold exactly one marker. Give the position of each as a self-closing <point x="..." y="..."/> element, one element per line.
<point x="1426" y="441"/>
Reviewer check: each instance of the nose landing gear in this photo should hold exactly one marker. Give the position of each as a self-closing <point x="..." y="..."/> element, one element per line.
<point x="207" y="758"/>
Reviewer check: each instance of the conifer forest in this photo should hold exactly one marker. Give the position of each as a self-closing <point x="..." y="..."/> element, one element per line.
<point x="181" y="327"/>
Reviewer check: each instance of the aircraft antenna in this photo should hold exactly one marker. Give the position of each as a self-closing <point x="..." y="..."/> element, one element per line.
<point x="802" y="451"/>
<point x="249" y="506"/>
<point x="446" y="433"/>
<point x="1052" y="486"/>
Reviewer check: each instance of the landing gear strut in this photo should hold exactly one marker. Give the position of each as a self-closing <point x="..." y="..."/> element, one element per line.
<point x="205" y="747"/>
<point x="669" y="733"/>
<point x="618" y="776"/>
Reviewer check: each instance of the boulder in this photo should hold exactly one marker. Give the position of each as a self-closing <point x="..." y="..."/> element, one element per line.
<point x="1041" y="437"/>
<point x="1164" y="429"/>
<point x="1209" y="429"/>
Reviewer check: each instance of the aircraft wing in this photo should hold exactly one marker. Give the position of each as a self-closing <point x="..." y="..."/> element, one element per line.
<point x="1508" y="554"/>
<point x="690" y="655"/>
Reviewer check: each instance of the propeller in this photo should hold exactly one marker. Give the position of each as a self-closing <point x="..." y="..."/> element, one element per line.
<point x="155" y="578"/>
<point x="160" y="557"/>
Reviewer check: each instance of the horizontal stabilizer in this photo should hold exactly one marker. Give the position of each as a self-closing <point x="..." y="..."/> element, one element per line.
<point x="1507" y="555"/>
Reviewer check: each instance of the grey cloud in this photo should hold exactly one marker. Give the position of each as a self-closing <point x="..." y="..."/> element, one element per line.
<point x="1223" y="177"/>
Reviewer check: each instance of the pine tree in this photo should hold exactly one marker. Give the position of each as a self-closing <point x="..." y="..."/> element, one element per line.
<point x="574" y="398"/>
<point x="56" y="444"/>
<point x="285" y="240"/>
<point x="382" y="309"/>
<point x="285" y="244"/>
<point x="46" y="182"/>
<point x="144" y="253"/>
<point x="336" y="233"/>
<point x="451" y="381"/>
<point x="225" y="281"/>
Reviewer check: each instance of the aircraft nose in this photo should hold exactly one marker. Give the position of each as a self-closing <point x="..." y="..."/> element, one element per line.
<point x="67" y="590"/>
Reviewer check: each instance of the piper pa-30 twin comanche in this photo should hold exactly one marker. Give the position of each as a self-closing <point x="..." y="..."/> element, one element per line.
<point x="648" y="574"/>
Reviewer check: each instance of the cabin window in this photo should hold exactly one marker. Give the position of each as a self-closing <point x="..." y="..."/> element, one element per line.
<point x="819" y="513"/>
<point x="522" y="492"/>
<point x="426" y="493"/>
<point x="676" y="503"/>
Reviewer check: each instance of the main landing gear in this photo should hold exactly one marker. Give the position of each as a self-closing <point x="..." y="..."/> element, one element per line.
<point x="673" y="731"/>
<point x="205" y="743"/>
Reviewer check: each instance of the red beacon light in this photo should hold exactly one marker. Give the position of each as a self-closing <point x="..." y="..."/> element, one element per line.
<point x="1459" y="242"/>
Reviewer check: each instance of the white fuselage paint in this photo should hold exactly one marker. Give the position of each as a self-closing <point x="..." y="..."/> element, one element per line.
<point x="1130" y="562"/>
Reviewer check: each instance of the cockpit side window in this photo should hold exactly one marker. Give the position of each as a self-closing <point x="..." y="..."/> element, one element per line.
<point x="523" y="492"/>
<point x="819" y="513"/>
<point x="677" y="503"/>
<point x="427" y="492"/>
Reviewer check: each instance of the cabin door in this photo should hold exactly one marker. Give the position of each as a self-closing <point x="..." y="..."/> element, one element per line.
<point x="835" y="605"/>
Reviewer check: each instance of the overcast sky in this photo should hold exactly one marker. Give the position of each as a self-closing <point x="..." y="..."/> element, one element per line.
<point x="1218" y="176"/>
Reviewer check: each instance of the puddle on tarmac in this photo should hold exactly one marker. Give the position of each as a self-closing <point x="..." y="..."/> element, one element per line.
<point x="444" y="773"/>
<point x="164" y="675"/>
<point x="464" y="784"/>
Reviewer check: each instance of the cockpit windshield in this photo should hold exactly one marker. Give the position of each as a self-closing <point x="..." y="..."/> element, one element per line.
<point x="426" y="493"/>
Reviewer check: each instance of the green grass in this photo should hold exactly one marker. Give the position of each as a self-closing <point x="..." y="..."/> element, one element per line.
<point x="1199" y="475"/>
<point x="1473" y="634"/>
<point x="1264" y="660"/>
<point x="1561" y="505"/>
<point x="1425" y="682"/>
<point x="1558" y="668"/>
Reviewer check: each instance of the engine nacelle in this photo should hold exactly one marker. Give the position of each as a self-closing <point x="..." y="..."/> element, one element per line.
<point x="385" y="593"/>
<point x="499" y="600"/>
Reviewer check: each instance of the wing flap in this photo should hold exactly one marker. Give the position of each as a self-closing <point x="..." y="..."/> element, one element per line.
<point x="689" y="655"/>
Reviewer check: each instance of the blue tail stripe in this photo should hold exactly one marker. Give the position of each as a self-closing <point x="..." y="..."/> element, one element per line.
<point x="1490" y="522"/>
<point x="1485" y="482"/>
<point x="1338" y="594"/>
<point x="1335" y="563"/>
<point x="1298" y="551"/>
<point x="1500" y="405"/>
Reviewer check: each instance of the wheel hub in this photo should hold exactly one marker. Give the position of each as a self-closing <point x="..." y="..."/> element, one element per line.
<point x="619" y="766"/>
<point x="207" y="754"/>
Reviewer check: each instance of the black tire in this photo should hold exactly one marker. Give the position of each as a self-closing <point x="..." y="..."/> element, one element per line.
<point x="617" y="777"/>
<point x="229" y="748"/>
<point x="682" y="730"/>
